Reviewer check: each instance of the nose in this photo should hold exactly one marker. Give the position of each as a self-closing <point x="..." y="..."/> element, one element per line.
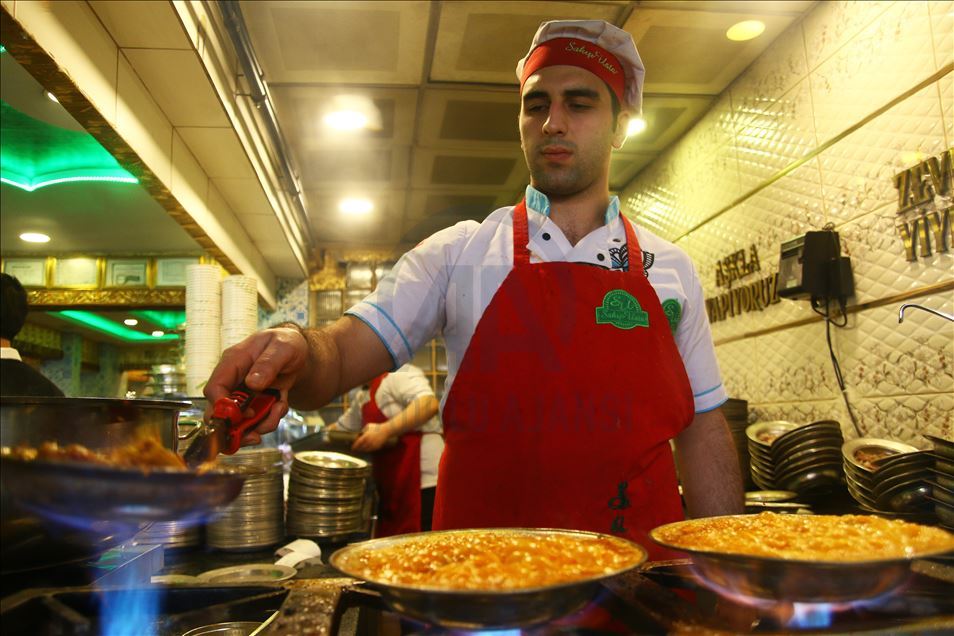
<point x="555" y="123"/>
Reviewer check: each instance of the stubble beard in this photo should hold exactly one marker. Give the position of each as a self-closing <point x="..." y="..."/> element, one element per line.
<point x="564" y="180"/>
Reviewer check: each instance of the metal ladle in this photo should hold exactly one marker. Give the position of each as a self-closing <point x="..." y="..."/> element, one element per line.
<point x="927" y="309"/>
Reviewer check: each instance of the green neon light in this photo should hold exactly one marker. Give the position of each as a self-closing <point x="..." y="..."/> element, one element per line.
<point x="164" y="319"/>
<point x="35" y="154"/>
<point x="2" y="49"/>
<point x="105" y="325"/>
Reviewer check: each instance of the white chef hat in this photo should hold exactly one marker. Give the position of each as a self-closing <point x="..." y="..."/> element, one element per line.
<point x="597" y="46"/>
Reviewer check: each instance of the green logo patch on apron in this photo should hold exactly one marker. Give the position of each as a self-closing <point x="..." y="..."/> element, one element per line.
<point x="622" y="310"/>
<point x="673" y="311"/>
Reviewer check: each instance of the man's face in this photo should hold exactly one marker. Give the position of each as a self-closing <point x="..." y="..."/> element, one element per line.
<point x="567" y="130"/>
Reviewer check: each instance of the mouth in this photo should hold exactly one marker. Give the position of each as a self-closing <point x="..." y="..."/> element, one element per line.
<point x="556" y="153"/>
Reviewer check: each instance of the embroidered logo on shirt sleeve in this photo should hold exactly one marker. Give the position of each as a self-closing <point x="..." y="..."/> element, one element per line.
<point x="673" y="311"/>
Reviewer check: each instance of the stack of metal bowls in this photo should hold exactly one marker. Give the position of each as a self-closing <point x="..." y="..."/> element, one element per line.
<point x="760" y="436"/>
<point x="326" y="494"/>
<point x="256" y="518"/>
<point x="807" y="459"/>
<point x="942" y="480"/>
<point x="170" y="534"/>
<point x="887" y="476"/>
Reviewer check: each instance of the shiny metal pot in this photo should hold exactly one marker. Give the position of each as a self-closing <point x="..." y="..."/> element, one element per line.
<point x="98" y="424"/>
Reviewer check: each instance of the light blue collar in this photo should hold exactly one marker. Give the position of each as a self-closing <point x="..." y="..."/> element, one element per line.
<point x="539" y="203"/>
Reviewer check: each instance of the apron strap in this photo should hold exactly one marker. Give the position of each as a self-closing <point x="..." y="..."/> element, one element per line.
<point x="521" y="236"/>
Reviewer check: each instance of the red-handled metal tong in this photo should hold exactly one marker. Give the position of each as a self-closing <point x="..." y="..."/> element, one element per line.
<point x="228" y="424"/>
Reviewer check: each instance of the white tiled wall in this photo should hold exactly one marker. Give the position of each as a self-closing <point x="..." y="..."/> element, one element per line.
<point x="824" y="76"/>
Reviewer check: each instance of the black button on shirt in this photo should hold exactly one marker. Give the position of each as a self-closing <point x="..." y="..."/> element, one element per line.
<point x="601" y="257"/>
<point x="546" y="236"/>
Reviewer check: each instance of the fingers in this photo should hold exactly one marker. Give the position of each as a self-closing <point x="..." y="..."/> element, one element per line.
<point x="281" y="359"/>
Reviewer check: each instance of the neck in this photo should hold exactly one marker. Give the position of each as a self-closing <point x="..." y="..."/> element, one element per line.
<point x="579" y="214"/>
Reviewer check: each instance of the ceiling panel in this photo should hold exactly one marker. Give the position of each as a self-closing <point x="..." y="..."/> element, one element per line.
<point x="496" y="169"/>
<point x="219" y="152"/>
<point x="170" y="74"/>
<point x="482" y="41"/>
<point x="686" y="51"/>
<point x="90" y="217"/>
<point x="339" y="42"/>
<point x="141" y="24"/>
<point x="301" y="110"/>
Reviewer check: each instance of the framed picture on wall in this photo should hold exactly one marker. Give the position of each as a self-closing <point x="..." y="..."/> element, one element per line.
<point x="171" y="272"/>
<point x="126" y="272"/>
<point x="81" y="272"/>
<point x="31" y="272"/>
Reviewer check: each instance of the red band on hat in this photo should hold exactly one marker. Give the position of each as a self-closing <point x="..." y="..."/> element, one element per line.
<point x="581" y="53"/>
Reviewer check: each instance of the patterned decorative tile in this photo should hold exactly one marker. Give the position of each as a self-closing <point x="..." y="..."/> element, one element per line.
<point x="942" y="31"/>
<point x="881" y="357"/>
<point x="888" y="57"/>
<point x="945" y="89"/>
<point x="780" y="131"/>
<point x="739" y="364"/>
<point x="831" y="24"/>
<point x="907" y="418"/>
<point x="801" y="412"/>
<point x="293" y="298"/>
<point x="795" y="365"/>
<point x="877" y="258"/>
<point x="778" y="69"/>
<point x="858" y="171"/>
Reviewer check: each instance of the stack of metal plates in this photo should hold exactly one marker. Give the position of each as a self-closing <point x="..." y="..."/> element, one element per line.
<point x="887" y="476"/>
<point x="807" y="459"/>
<point x="326" y="494"/>
<point x="760" y="436"/>
<point x="942" y="480"/>
<point x="255" y="519"/>
<point x="170" y="534"/>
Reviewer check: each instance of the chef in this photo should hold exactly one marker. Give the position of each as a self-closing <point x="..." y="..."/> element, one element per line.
<point x="401" y="405"/>
<point x="577" y="342"/>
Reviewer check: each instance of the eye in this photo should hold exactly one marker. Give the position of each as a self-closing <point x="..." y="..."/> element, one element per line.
<point x="535" y="108"/>
<point x="579" y="106"/>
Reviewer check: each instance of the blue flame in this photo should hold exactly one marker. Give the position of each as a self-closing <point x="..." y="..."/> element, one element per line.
<point x="127" y="606"/>
<point x="811" y="615"/>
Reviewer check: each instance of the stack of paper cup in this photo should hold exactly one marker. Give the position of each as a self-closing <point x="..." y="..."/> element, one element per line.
<point x="203" y="317"/>
<point x="239" y="309"/>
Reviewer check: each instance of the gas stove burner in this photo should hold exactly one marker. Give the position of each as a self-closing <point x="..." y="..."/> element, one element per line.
<point x="161" y="611"/>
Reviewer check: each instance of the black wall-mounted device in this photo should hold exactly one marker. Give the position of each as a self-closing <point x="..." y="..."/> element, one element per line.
<point x="812" y="267"/>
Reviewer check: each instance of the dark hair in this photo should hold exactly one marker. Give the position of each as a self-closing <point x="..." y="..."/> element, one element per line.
<point x="13" y="306"/>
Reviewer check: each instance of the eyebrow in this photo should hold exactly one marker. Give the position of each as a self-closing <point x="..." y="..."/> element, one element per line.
<point x="588" y="93"/>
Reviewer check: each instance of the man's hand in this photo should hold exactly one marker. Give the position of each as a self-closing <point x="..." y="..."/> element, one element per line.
<point x="270" y="358"/>
<point x="373" y="437"/>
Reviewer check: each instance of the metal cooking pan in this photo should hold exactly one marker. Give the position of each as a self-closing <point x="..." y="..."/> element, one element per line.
<point x="481" y="609"/>
<point x="85" y="496"/>
<point x="795" y="580"/>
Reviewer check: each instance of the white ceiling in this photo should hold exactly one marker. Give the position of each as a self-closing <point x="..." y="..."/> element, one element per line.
<point x="441" y="74"/>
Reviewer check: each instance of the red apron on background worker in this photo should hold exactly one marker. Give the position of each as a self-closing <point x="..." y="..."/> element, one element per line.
<point x="400" y="405"/>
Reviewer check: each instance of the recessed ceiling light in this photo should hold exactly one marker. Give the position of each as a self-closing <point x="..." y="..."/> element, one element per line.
<point x="158" y="334"/>
<point x="636" y="125"/>
<point x="50" y="96"/>
<point x="745" y="30"/>
<point x="346" y="120"/>
<point x="34" y="237"/>
<point x="130" y="322"/>
<point x="355" y="206"/>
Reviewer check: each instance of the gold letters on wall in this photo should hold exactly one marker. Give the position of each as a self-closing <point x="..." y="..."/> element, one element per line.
<point x="924" y="206"/>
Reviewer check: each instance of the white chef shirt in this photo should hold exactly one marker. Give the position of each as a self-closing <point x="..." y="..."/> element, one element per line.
<point x="397" y="390"/>
<point x="9" y="353"/>
<point x="445" y="283"/>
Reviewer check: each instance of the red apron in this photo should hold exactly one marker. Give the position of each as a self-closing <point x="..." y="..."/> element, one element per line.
<point x="397" y="474"/>
<point x="562" y="410"/>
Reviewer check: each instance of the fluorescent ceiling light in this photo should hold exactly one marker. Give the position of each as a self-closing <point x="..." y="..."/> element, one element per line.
<point x="745" y="30"/>
<point x="158" y="333"/>
<point x="97" y="322"/>
<point x="355" y="206"/>
<point x="130" y="322"/>
<point x="50" y="96"/>
<point x="34" y="237"/>
<point x="351" y="113"/>
<point x="636" y="125"/>
<point x="346" y="120"/>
